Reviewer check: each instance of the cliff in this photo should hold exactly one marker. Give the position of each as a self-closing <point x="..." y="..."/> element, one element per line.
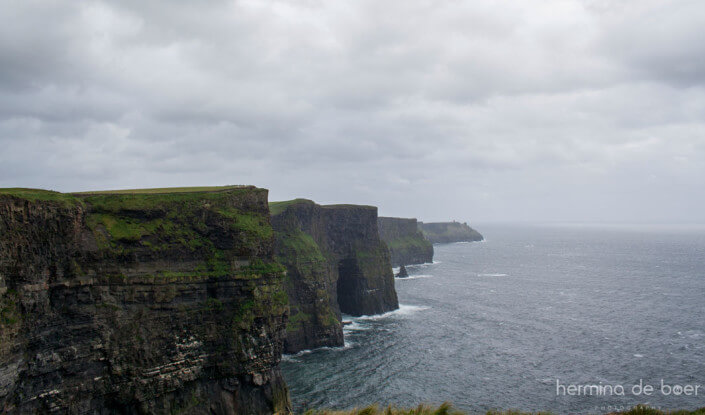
<point x="163" y="301"/>
<point x="335" y="263"/>
<point x="445" y="232"/>
<point x="406" y="243"/>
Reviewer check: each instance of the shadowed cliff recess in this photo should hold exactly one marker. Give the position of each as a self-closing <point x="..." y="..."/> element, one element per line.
<point x="335" y="262"/>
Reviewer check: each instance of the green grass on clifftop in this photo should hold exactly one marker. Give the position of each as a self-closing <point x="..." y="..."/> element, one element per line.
<point x="348" y="206"/>
<point x="40" y="195"/>
<point x="164" y="190"/>
<point x="193" y="222"/>
<point x="276" y="208"/>
<point x="409" y="241"/>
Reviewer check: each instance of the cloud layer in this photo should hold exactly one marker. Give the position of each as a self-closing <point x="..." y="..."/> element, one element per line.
<point x="573" y="110"/>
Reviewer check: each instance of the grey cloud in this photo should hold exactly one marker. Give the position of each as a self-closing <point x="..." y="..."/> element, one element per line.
<point x="662" y="43"/>
<point x="474" y="110"/>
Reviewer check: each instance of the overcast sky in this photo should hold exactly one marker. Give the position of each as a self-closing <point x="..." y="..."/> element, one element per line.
<point x="478" y="110"/>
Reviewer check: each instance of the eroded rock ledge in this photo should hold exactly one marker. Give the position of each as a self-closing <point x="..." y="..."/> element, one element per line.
<point x="143" y="302"/>
<point x="335" y="262"/>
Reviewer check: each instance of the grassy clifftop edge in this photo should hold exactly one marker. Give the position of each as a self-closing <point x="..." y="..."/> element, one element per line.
<point x="76" y="197"/>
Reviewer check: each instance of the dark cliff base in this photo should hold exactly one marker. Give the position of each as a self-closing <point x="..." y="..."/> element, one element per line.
<point x="142" y="302"/>
<point x="407" y="245"/>
<point x="335" y="262"/>
<point x="446" y="232"/>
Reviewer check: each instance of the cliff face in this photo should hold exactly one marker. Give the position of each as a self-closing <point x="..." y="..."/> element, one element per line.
<point x="335" y="262"/>
<point x="446" y="232"/>
<point x="140" y="303"/>
<point x="406" y="243"/>
<point x="311" y="281"/>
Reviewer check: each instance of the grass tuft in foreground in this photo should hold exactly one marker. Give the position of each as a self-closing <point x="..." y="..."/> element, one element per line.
<point x="637" y="410"/>
<point x="447" y="409"/>
<point x="444" y="409"/>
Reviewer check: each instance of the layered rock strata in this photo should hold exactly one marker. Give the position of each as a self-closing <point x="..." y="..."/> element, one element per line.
<point x="407" y="245"/>
<point x="335" y="263"/>
<point x="163" y="301"/>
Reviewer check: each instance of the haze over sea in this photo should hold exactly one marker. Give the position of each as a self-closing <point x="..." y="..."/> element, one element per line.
<point x="496" y="324"/>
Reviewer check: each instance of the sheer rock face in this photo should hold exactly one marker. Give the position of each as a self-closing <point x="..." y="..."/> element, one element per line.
<point x="407" y="245"/>
<point x="447" y="232"/>
<point x="335" y="262"/>
<point x="140" y="304"/>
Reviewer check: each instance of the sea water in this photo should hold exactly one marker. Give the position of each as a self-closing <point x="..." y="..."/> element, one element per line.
<point x="525" y="318"/>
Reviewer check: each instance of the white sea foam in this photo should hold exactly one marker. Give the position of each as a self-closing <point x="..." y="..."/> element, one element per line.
<point x="413" y="277"/>
<point x="403" y="310"/>
<point x="492" y="275"/>
<point x="353" y="326"/>
<point x="694" y="334"/>
<point x="395" y="270"/>
<point x="424" y="265"/>
<point x="346" y="345"/>
<point x="638" y="355"/>
<point x="293" y="357"/>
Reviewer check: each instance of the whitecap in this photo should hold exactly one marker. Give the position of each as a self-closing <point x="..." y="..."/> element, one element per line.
<point x="493" y="275"/>
<point x="424" y="265"/>
<point x="413" y="277"/>
<point x="346" y="345"/>
<point x="303" y="352"/>
<point x="403" y="310"/>
<point x="354" y="325"/>
<point x="293" y="357"/>
<point x="290" y="358"/>
<point x="638" y="355"/>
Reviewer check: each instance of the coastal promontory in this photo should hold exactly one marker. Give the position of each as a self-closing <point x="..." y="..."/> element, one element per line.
<point x="446" y="232"/>
<point x="335" y="263"/>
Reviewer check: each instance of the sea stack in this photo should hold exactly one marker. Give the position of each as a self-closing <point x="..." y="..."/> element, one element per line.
<point x="402" y="272"/>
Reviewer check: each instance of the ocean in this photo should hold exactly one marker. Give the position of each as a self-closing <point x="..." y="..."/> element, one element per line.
<point x="525" y="318"/>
